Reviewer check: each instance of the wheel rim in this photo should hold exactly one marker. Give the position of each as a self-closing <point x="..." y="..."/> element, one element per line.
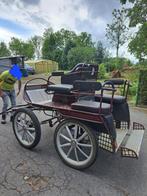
<point x="74" y="144"/>
<point x="24" y="128"/>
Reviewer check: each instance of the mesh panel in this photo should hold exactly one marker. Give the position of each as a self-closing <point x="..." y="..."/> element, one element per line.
<point x="104" y="142"/>
<point x="123" y="125"/>
<point x="137" y="126"/>
<point x="125" y="152"/>
<point x="104" y="139"/>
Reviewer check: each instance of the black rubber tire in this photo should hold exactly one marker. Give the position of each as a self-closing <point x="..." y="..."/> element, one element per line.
<point x="91" y="135"/>
<point x="36" y="126"/>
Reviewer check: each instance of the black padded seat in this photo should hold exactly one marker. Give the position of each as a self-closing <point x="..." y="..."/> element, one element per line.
<point x="116" y="99"/>
<point x="91" y="106"/>
<point x="60" y="88"/>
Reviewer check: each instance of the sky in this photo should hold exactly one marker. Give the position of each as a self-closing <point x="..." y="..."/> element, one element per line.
<point x="25" y="18"/>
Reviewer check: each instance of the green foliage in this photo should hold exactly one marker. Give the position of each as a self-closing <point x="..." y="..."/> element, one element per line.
<point x="138" y="17"/>
<point x="15" y="45"/>
<point x="138" y="44"/>
<point x="117" y="30"/>
<point x="84" y="40"/>
<point x="102" y="71"/>
<point x="37" y="44"/>
<point x="49" y="47"/>
<point x="133" y="89"/>
<point x="56" y="46"/>
<point x="80" y="54"/>
<point x="137" y="12"/>
<point x="19" y="47"/>
<point x="116" y="63"/>
<point x="4" y="51"/>
<point x="100" y="52"/>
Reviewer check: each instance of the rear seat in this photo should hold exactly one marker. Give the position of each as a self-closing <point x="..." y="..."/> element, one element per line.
<point x="117" y="99"/>
<point x="91" y="106"/>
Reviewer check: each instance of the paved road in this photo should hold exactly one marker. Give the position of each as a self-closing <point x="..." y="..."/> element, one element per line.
<point x="41" y="172"/>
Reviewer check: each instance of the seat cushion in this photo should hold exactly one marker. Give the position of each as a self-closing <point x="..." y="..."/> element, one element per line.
<point x="60" y="88"/>
<point x="116" y="99"/>
<point x="91" y="106"/>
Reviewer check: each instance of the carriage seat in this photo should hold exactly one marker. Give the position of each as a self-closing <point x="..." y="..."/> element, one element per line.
<point x="117" y="99"/>
<point x="91" y="106"/>
<point x="60" y="88"/>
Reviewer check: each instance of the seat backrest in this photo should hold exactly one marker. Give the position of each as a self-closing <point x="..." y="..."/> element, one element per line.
<point x="121" y="85"/>
<point x="87" y="86"/>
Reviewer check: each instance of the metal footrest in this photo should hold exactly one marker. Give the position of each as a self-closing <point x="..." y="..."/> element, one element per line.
<point x="128" y="141"/>
<point x="132" y="146"/>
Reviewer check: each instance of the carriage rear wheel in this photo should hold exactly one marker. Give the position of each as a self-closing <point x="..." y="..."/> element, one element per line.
<point x="75" y="144"/>
<point x="26" y="128"/>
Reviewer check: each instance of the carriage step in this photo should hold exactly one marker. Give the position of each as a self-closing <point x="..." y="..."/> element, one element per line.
<point x="132" y="143"/>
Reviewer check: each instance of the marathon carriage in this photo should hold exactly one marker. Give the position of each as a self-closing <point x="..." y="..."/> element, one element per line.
<point x="85" y="118"/>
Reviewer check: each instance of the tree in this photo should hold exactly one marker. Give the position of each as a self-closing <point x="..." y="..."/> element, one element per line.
<point x="47" y="32"/>
<point x="138" y="44"/>
<point x="57" y="45"/>
<point x="4" y="51"/>
<point x="37" y="43"/>
<point x="137" y="13"/>
<point x="68" y="46"/>
<point x="100" y="52"/>
<point x="19" y="47"/>
<point x="28" y="50"/>
<point x="84" y="40"/>
<point x="117" y="30"/>
<point x="81" y="54"/>
<point x="49" y="46"/>
<point x="138" y="17"/>
<point x="15" y="45"/>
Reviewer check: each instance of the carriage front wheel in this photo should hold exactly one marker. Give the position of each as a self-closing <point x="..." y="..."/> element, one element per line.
<point x="75" y="143"/>
<point x="26" y="128"/>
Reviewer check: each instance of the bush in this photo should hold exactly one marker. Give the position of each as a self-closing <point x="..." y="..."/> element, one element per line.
<point x="102" y="71"/>
<point x="133" y="89"/>
<point x="114" y="63"/>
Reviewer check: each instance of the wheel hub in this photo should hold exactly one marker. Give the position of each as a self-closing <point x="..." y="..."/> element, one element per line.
<point x="73" y="143"/>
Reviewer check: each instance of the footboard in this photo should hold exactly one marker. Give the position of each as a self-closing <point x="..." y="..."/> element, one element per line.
<point x="128" y="140"/>
<point x="35" y="91"/>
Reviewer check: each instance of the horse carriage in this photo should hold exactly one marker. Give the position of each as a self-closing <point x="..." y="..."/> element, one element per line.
<point x="87" y="115"/>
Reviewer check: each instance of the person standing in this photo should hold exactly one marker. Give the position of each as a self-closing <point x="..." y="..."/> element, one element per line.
<point x="8" y="79"/>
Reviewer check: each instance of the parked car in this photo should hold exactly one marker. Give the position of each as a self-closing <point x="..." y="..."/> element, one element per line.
<point x="29" y="69"/>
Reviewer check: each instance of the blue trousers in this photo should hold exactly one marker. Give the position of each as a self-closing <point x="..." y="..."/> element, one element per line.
<point x="5" y="97"/>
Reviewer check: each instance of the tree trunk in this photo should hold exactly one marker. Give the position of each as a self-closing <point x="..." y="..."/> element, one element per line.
<point x="117" y="49"/>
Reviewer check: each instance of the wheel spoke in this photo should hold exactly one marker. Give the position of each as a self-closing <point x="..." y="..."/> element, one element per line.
<point x="69" y="151"/>
<point x="31" y="128"/>
<point x="76" y="131"/>
<point x="76" y="155"/>
<point x="64" y="145"/>
<point x="30" y="136"/>
<point x="24" y="136"/>
<point x="20" y="130"/>
<point x="85" y="145"/>
<point x="82" y="136"/>
<point x="66" y="138"/>
<point x="27" y="138"/>
<point x="82" y="152"/>
<point x="69" y="133"/>
<point x="18" y="123"/>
